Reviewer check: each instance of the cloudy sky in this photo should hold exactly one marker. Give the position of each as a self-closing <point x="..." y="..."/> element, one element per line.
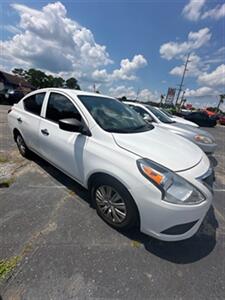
<point x="124" y="47"/>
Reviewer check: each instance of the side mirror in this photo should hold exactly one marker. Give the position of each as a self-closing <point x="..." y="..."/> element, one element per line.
<point x="147" y="118"/>
<point x="71" y="124"/>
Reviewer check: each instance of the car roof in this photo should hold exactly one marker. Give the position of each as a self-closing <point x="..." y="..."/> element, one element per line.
<point x="134" y="103"/>
<point x="70" y="92"/>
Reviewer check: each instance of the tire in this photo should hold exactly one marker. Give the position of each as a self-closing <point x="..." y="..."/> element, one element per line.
<point x="113" y="203"/>
<point x="22" y="147"/>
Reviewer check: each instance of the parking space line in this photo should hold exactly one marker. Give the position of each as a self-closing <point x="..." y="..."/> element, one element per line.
<point x="219" y="214"/>
<point x="47" y="186"/>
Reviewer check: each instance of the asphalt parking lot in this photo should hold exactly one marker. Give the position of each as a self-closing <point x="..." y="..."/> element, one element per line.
<point x="63" y="250"/>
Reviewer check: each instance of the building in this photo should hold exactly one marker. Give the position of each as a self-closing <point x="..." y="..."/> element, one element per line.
<point x="13" y="87"/>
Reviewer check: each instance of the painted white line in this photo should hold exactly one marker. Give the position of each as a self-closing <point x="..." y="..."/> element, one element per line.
<point x="47" y="186"/>
<point x="219" y="214"/>
<point x="219" y="190"/>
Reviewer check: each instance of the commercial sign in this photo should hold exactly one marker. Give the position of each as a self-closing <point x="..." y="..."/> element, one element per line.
<point x="170" y="95"/>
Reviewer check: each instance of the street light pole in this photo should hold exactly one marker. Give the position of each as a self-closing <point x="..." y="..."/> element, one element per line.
<point x="182" y="79"/>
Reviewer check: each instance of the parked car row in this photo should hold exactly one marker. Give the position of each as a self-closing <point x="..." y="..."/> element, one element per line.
<point x="138" y="173"/>
<point x="200" y="118"/>
<point x="155" y="115"/>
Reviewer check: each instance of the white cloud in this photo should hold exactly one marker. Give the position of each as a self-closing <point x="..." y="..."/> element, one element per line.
<point x="195" y="11"/>
<point x="126" y="71"/>
<point x="192" y="11"/>
<point x="215" y="78"/>
<point x="12" y="29"/>
<point x="49" y="40"/>
<point x="122" y="90"/>
<point x="143" y="95"/>
<point x="128" y="68"/>
<point x="215" y="13"/>
<point x="201" y="92"/>
<point x="195" y="67"/>
<point x="195" y="41"/>
<point x="100" y="76"/>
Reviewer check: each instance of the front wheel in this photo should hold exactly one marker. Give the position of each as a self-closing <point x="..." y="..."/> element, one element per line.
<point x="114" y="203"/>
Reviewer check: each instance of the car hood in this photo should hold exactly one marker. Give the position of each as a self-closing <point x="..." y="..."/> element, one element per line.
<point x="183" y="121"/>
<point x="184" y="129"/>
<point x="187" y="129"/>
<point x="161" y="146"/>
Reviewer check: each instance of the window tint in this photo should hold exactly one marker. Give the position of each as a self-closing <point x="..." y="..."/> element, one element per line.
<point x="159" y="114"/>
<point x="60" y="107"/>
<point x="142" y="112"/>
<point x="33" y="103"/>
<point x="114" y="116"/>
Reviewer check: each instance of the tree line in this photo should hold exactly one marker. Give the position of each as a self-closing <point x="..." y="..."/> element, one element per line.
<point x="38" y="79"/>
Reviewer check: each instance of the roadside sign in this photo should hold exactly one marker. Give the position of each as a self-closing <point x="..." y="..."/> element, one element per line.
<point x="170" y="95"/>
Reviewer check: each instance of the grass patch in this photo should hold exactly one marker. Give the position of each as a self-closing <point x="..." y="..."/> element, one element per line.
<point x="6" y="183"/>
<point x="135" y="244"/>
<point x="3" y="159"/>
<point x="7" y="266"/>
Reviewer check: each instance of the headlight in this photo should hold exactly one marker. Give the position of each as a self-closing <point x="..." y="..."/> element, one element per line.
<point x="203" y="139"/>
<point x="174" y="188"/>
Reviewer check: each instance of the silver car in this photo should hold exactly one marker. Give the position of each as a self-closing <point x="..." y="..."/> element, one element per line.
<point x="200" y="137"/>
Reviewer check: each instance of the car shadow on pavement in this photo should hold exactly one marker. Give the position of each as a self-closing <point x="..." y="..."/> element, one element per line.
<point x="181" y="252"/>
<point x="186" y="251"/>
<point x="62" y="178"/>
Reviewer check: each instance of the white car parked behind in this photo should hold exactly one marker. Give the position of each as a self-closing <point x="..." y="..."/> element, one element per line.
<point x="154" y="115"/>
<point x="136" y="173"/>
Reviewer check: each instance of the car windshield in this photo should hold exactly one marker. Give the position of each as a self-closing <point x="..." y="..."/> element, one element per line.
<point x="160" y="115"/>
<point x="166" y="112"/>
<point x="114" y="116"/>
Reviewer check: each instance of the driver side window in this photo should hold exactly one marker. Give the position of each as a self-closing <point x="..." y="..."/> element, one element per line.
<point x="60" y="107"/>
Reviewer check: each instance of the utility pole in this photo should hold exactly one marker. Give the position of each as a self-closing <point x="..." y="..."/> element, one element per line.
<point x="138" y="92"/>
<point x="222" y="97"/>
<point x="182" y="79"/>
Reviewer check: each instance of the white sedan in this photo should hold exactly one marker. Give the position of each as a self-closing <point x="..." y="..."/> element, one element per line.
<point x="137" y="174"/>
<point x="152" y="114"/>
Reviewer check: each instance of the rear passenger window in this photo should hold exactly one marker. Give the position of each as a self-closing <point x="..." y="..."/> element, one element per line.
<point x="33" y="103"/>
<point x="60" y="107"/>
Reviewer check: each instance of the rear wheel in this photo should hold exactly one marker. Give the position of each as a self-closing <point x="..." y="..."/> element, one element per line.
<point x="114" y="203"/>
<point x="24" y="151"/>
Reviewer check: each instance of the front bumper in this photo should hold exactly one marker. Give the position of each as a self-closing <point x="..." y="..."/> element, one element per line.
<point x="173" y="222"/>
<point x="207" y="148"/>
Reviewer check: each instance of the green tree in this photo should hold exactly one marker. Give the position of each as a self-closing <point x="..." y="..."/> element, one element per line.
<point x="72" y="83"/>
<point x="19" y="71"/>
<point x="37" y="78"/>
<point x="58" y="82"/>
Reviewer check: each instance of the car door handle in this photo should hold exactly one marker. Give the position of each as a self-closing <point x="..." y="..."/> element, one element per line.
<point x="19" y="120"/>
<point x="44" y="132"/>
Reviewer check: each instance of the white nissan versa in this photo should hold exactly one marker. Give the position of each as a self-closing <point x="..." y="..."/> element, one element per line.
<point x="136" y="173"/>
